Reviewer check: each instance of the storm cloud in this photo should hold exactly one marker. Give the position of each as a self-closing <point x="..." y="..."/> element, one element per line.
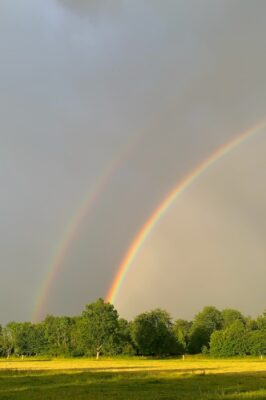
<point x="157" y="85"/>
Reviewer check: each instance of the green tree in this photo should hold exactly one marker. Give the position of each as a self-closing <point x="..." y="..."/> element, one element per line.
<point x="231" y="315"/>
<point x="39" y="341"/>
<point x="231" y="341"/>
<point x="99" y="328"/>
<point x="205" y="323"/>
<point x="23" y="338"/>
<point x="251" y="324"/>
<point x="256" y="343"/>
<point x="153" y="334"/>
<point x="77" y="345"/>
<point x="182" y="333"/>
<point x="2" y="350"/>
<point x="11" y="338"/>
<point x="261" y="321"/>
<point x="8" y="340"/>
<point x="125" y="343"/>
<point x="58" y="334"/>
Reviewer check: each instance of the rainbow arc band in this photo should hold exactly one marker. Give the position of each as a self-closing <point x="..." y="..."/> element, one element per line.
<point x="164" y="206"/>
<point x="81" y="213"/>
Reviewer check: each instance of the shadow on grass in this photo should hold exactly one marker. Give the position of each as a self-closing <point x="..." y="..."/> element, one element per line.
<point x="132" y="385"/>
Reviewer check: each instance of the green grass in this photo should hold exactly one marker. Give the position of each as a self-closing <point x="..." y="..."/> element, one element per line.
<point x="130" y="379"/>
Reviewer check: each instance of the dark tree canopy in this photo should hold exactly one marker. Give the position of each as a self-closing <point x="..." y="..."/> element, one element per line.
<point x="99" y="330"/>
<point x="152" y="333"/>
<point x="205" y="323"/>
<point x="229" y="342"/>
<point x="230" y="315"/>
<point x="182" y="330"/>
<point x="99" y="327"/>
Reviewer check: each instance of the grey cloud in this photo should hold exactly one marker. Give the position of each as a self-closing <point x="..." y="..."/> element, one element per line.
<point x="79" y="80"/>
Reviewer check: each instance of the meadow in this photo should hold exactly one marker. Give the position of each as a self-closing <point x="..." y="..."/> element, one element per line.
<point x="135" y="378"/>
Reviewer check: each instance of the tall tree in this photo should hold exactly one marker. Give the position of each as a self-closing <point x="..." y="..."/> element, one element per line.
<point x="205" y="323"/>
<point x="99" y="328"/>
<point x="231" y="341"/>
<point x="76" y="340"/>
<point x="256" y="343"/>
<point x="153" y="334"/>
<point x="58" y="334"/>
<point x="182" y="330"/>
<point x="125" y="343"/>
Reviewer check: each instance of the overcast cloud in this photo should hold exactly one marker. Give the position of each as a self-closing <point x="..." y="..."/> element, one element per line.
<point x="80" y="82"/>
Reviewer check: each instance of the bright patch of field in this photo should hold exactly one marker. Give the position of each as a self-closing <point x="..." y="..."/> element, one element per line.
<point x="130" y="379"/>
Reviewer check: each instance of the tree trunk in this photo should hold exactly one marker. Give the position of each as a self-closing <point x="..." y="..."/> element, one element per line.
<point x="98" y="349"/>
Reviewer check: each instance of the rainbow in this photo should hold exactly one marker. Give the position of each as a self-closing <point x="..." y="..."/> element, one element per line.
<point x="59" y="255"/>
<point x="164" y="206"/>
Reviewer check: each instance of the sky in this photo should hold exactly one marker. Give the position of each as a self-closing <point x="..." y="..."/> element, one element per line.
<point x="133" y="94"/>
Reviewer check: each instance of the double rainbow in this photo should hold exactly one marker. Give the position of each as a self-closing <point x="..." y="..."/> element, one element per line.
<point x="57" y="260"/>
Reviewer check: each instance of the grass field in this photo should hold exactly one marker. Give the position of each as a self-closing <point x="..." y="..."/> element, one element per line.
<point x="133" y="379"/>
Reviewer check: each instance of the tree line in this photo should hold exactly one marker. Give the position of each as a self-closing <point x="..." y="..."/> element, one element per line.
<point x="99" y="330"/>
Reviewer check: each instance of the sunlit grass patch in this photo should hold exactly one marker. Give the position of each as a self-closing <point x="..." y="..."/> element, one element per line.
<point x="132" y="379"/>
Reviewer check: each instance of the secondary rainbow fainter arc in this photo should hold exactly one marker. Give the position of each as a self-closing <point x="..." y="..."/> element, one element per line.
<point x="68" y="238"/>
<point x="57" y="260"/>
<point x="170" y="198"/>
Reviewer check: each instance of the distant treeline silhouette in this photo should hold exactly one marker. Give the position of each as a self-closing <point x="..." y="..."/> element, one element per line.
<point x="99" y="330"/>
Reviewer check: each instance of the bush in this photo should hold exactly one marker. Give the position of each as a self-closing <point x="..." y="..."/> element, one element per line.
<point x="232" y="341"/>
<point x="256" y="343"/>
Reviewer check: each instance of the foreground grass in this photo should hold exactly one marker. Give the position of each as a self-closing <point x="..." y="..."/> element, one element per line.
<point x="133" y="379"/>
